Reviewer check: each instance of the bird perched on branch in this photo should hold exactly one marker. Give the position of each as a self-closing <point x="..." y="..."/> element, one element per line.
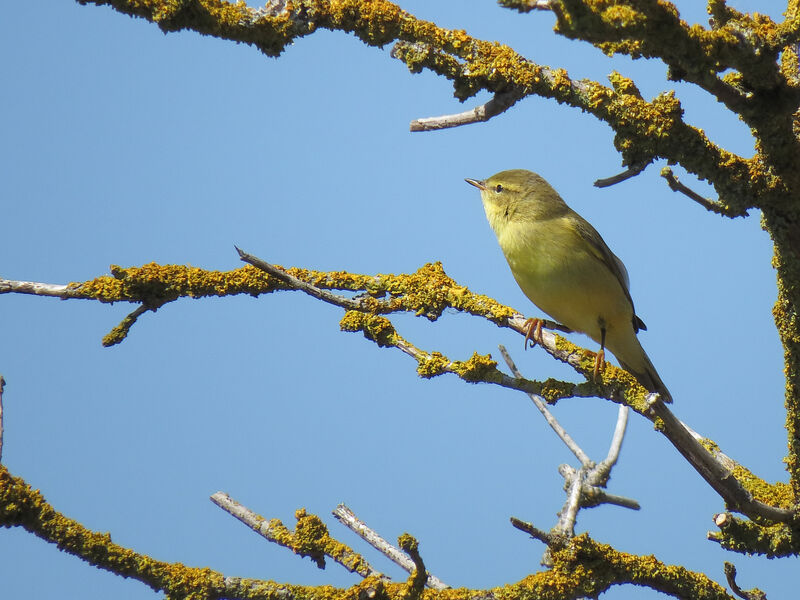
<point x="566" y="269"/>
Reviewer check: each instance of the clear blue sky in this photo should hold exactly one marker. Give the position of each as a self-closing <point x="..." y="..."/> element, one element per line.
<point x="121" y="145"/>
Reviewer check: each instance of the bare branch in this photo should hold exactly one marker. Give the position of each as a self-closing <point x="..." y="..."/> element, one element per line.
<point x="717" y="475"/>
<point x="569" y="512"/>
<point x="714" y="206"/>
<point x="631" y="171"/>
<point x="539" y="402"/>
<point x="321" y="544"/>
<point x="730" y="575"/>
<point x="9" y="286"/>
<point x="527" y="5"/>
<point x="498" y="104"/>
<point x="299" y="284"/>
<point x="600" y="474"/>
<point x="593" y="496"/>
<point x="348" y="518"/>
<point x="532" y="530"/>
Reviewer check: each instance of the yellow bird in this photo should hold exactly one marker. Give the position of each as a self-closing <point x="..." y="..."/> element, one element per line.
<point x="566" y="269"/>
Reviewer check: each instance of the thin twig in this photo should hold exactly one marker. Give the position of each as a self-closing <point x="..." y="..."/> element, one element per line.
<point x="348" y="518"/>
<point x="276" y="532"/>
<point x="600" y="474"/>
<point x="628" y="173"/>
<point x="569" y="512"/>
<point x="528" y="5"/>
<point x="539" y="402"/>
<point x="299" y="284"/>
<point x="730" y="575"/>
<point x="712" y="205"/>
<point x="593" y="496"/>
<point x="9" y="286"/>
<point x="534" y="531"/>
<point x="498" y="104"/>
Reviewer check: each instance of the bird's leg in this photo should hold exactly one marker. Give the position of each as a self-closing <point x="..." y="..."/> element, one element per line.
<point x="600" y="357"/>
<point x="533" y="332"/>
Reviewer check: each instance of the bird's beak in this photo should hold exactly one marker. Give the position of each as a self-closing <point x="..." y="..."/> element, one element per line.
<point x="481" y="185"/>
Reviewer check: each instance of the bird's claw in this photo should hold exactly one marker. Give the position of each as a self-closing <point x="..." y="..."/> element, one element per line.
<point x="599" y="363"/>
<point x="533" y="332"/>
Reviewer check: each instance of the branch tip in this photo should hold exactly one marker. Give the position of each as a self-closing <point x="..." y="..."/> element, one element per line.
<point x="499" y="103"/>
<point x="532" y="530"/>
<point x="730" y="575"/>
<point x="628" y="173"/>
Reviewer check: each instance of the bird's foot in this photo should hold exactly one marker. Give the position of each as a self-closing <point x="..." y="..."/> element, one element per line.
<point x="533" y="332"/>
<point x="599" y="363"/>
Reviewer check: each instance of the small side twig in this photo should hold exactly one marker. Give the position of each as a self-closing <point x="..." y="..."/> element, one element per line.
<point x="316" y="546"/>
<point x="628" y="173"/>
<point x="568" y="515"/>
<point x="711" y="205"/>
<point x="600" y="474"/>
<point x="548" y="416"/>
<point x="416" y="583"/>
<point x="594" y="496"/>
<point x="528" y="5"/>
<point x="299" y="284"/>
<point x="348" y="518"/>
<point x="532" y="530"/>
<point x="730" y="575"/>
<point x="499" y="103"/>
<point x="120" y="332"/>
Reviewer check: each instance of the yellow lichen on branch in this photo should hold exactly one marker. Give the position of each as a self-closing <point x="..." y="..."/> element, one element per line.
<point x="582" y="565"/>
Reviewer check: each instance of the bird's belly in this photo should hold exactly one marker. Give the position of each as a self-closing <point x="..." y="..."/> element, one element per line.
<point x="574" y="289"/>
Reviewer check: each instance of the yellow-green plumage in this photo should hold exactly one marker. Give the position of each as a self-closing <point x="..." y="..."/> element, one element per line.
<point x="565" y="268"/>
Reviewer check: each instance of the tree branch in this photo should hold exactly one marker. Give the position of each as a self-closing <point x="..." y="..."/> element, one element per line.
<point x="710" y="205"/>
<point x="310" y="538"/>
<point x="540" y="404"/>
<point x="730" y="575"/>
<point x="631" y="171"/>
<point x="593" y="568"/>
<point x="475" y="65"/>
<point x="348" y="518"/>
<point x="497" y="105"/>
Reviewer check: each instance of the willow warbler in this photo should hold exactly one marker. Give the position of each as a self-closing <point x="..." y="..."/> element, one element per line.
<point x="565" y="268"/>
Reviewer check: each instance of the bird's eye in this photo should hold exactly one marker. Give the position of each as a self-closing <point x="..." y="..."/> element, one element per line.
<point x="498" y="188"/>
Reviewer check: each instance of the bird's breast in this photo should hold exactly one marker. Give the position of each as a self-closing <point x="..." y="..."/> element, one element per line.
<point x="560" y="275"/>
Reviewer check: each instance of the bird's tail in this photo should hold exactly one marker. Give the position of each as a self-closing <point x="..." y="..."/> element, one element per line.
<point x="634" y="359"/>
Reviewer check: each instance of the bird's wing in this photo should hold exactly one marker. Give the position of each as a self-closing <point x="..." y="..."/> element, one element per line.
<point x="603" y="253"/>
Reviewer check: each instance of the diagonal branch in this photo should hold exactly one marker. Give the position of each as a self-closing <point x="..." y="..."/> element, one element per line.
<point x="714" y="206"/>
<point x="428" y="292"/>
<point x="349" y="519"/>
<point x="310" y="538"/>
<point x="540" y="404"/>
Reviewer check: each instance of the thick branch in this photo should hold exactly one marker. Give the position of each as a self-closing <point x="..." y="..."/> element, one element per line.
<point x="428" y="292"/>
<point x="474" y="65"/>
<point x="586" y="568"/>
